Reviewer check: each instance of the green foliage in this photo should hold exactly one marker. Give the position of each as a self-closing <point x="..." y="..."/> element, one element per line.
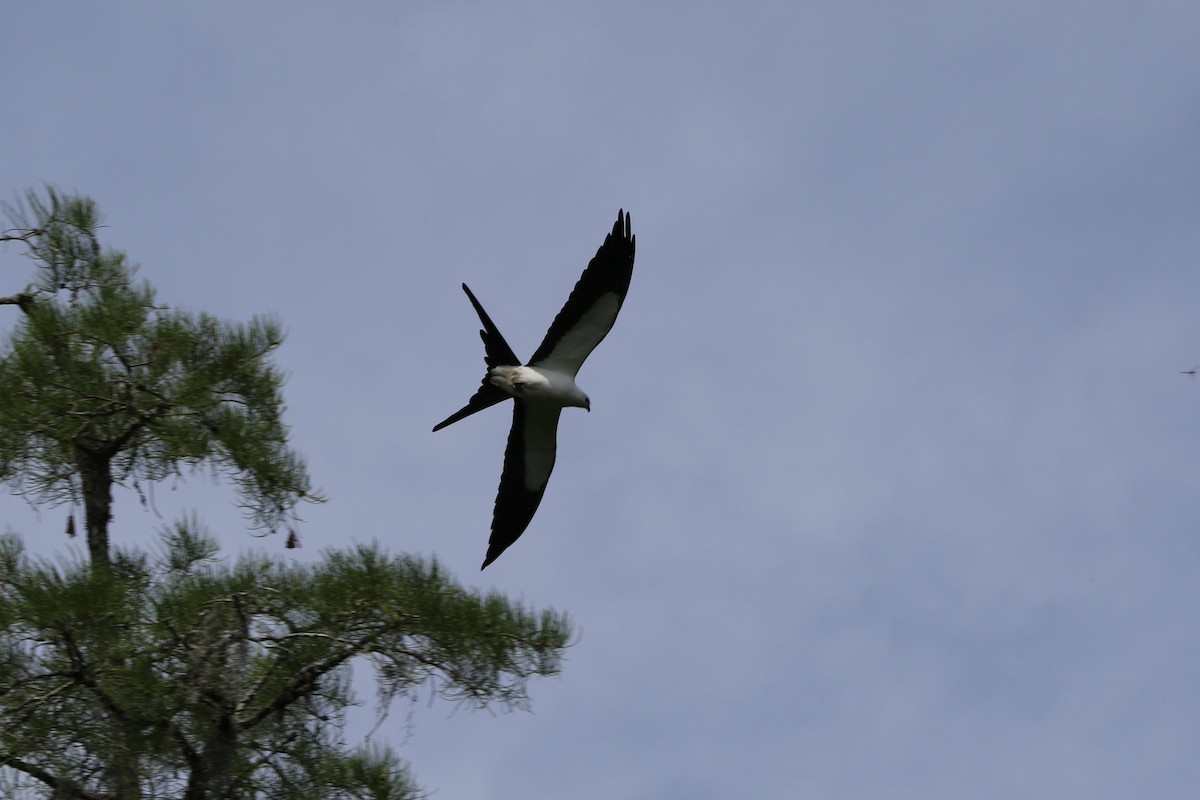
<point x="182" y="675"/>
<point x="99" y="383"/>
<point x="199" y="678"/>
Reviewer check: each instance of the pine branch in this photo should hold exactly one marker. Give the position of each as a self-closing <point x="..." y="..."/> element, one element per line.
<point x="23" y="711"/>
<point x="24" y="236"/>
<point x="306" y="679"/>
<point x="23" y="299"/>
<point x="61" y="786"/>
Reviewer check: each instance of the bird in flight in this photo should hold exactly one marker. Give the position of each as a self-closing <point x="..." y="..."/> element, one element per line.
<point x="544" y="386"/>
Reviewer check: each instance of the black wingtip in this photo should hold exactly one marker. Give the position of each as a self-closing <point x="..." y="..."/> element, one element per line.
<point x="494" y="551"/>
<point x="623" y="229"/>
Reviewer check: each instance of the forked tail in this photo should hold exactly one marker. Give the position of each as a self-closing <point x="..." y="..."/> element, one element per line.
<point x="497" y="353"/>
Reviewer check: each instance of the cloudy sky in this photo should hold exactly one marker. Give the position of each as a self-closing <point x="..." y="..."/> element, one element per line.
<point x="890" y="484"/>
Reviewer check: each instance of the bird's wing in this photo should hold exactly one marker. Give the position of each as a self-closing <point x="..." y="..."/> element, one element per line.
<point x="497" y="353"/>
<point x="528" y="461"/>
<point x="592" y="308"/>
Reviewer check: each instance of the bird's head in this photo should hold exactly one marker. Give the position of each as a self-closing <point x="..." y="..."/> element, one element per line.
<point x="579" y="400"/>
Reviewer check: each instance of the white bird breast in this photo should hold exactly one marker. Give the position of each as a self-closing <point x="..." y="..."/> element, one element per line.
<point x="537" y="385"/>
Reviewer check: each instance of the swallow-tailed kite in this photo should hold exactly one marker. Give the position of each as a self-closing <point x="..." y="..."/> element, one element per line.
<point x="545" y="386"/>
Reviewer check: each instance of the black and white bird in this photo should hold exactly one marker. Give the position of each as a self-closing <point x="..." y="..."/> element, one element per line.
<point x="544" y="386"/>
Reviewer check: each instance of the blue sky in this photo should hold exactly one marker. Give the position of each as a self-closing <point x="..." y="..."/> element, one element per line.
<point x="889" y="485"/>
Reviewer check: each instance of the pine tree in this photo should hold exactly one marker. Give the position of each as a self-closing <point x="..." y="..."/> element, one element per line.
<point x="182" y="677"/>
<point x="102" y="385"/>
<point x="131" y="677"/>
